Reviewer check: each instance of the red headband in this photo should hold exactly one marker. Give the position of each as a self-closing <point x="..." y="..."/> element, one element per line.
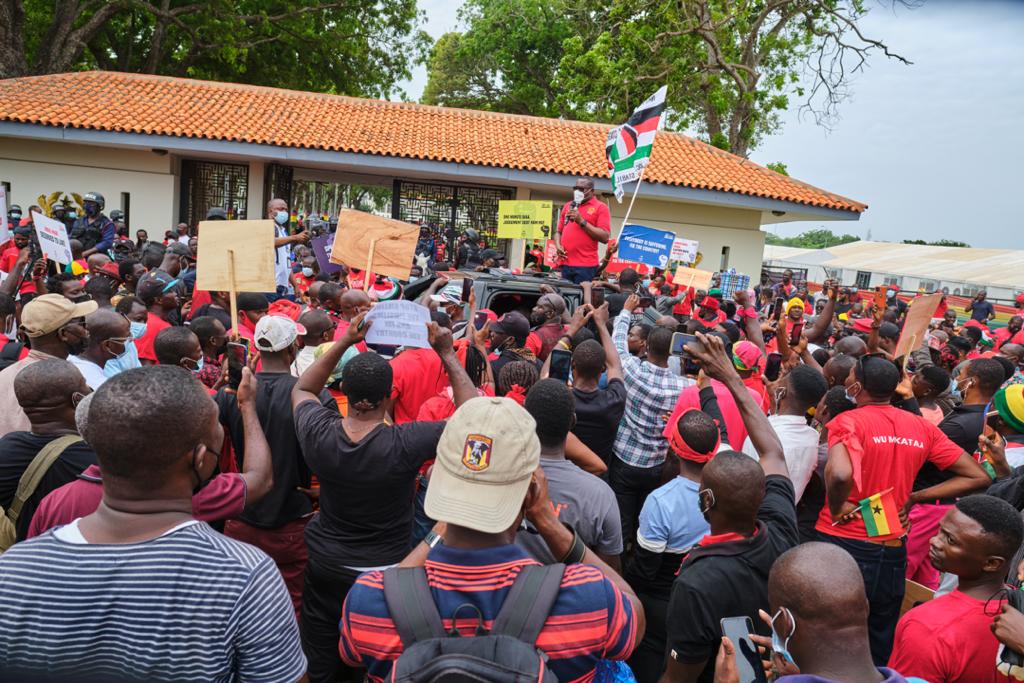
<point x="683" y="450"/>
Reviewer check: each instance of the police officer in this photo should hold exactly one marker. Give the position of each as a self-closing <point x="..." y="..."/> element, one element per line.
<point x="469" y="250"/>
<point x="13" y="217"/>
<point x="94" y="230"/>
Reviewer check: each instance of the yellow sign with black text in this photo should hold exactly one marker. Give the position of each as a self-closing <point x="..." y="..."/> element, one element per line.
<point x="524" y="220"/>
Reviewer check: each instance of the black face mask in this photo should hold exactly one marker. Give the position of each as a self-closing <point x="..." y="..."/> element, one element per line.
<point x="92" y="210"/>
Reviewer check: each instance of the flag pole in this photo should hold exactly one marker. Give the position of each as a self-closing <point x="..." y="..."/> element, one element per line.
<point x="636" y="191"/>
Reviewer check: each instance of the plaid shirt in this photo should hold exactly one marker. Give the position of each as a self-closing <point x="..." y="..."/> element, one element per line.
<point x="730" y="283"/>
<point x="650" y="393"/>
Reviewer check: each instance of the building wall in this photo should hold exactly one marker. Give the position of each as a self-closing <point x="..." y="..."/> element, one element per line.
<point x="36" y="168"/>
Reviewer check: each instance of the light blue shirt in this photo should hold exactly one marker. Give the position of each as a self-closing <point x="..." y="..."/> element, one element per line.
<point x="670" y="521"/>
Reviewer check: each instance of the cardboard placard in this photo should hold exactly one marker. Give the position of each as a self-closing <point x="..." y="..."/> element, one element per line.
<point x="617" y="265"/>
<point x="383" y="245"/>
<point x="253" y="245"/>
<point x="692" y="277"/>
<point x="398" y="323"/>
<point x="321" y="247"/>
<point x="525" y="220"/>
<point x="53" y="238"/>
<point x="5" y="233"/>
<point x="919" y="316"/>
<point x="684" y="251"/>
<point x="646" y="245"/>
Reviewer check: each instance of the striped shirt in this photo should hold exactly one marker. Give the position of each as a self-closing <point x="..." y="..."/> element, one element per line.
<point x="650" y="393"/>
<point x="190" y="605"/>
<point x="590" y="620"/>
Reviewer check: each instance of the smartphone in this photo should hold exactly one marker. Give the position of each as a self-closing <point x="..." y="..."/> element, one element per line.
<point x="467" y="288"/>
<point x="748" y="661"/>
<point x="646" y="301"/>
<point x="679" y="340"/>
<point x="778" y="307"/>
<point x="772" y="366"/>
<point x="479" y="320"/>
<point x="561" y="365"/>
<point x="651" y="316"/>
<point x="238" y="357"/>
<point x="794" y="334"/>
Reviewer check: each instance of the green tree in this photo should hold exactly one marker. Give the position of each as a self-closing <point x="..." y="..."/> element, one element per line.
<point x="350" y="47"/>
<point x="778" y="167"/>
<point x="732" y="65"/>
<point x="939" y="243"/>
<point x="811" y="239"/>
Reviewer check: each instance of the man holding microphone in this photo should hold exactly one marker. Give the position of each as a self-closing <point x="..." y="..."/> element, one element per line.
<point x="582" y="223"/>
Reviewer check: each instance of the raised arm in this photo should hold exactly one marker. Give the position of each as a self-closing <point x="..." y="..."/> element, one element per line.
<point x="440" y="339"/>
<point x="710" y="353"/>
<point x="258" y="469"/>
<point x="823" y="324"/>
<point x="613" y="364"/>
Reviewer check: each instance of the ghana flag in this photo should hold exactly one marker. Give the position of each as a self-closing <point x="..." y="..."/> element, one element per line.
<point x="881" y="516"/>
<point x="628" y="147"/>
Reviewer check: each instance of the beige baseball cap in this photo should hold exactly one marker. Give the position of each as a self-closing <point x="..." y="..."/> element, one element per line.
<point x="50" y="312"/>
<point x="485" y="459"/>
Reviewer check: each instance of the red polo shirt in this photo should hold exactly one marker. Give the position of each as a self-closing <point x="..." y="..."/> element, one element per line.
<point x="144" y="344"/>
<point x="581" y="248"/>
<point x="418" y="376"/>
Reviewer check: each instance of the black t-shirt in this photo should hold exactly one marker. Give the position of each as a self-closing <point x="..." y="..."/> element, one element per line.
<point x="274" y="407"/>
<point x="366" y="488"/>
<point x="729" y="579"/>
<point x="16" y="452"/>
<point x="504" y="358"/>
<point x="963" y="426"/>
<point x="597" y="417"/>
<point x="981" y="310"/>
<point x="219" y="313"/>
<point x="616" y="301"/>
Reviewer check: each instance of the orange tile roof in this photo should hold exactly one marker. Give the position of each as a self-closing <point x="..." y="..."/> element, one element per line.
<point x="133" y="103"/>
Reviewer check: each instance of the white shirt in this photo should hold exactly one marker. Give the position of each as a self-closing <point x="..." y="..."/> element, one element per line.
<point x="92" y="373"/>
<point x="800" y="445"/>
<point x="303" y="360"/>
<point x="282" y="268"/>
<point x="184" y="239"/>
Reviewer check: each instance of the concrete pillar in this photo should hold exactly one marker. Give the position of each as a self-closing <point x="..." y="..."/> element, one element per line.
<point x="254" y="201"/>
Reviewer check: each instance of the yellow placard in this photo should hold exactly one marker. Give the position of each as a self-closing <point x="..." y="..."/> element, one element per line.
<point x="692" y="277"/>
<point x="524" y="220"/>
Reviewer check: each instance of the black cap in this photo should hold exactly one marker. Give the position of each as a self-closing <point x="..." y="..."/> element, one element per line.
<point x="514" y="324"/>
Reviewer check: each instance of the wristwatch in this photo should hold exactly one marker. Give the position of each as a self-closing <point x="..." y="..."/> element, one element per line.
<point x="433" y="538"/>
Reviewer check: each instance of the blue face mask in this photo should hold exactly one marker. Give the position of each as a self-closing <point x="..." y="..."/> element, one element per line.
<point x="780" y="646"/>
<point x="138" y="330"/>
<point x="954" y="390"/>
<point x="281" y="218"/>
<point x="198" y="366"/>
<point x="307" y="272"/>
<point x="129" y="360"/>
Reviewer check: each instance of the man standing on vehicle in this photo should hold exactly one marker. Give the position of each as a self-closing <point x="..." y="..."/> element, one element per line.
<point x="582" y="223"/>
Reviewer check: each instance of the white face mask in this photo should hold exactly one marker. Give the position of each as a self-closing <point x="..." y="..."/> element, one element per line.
<point x="578" y="196"/>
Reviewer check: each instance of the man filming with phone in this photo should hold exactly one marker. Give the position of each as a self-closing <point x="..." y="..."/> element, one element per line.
<point x="582" y="223"/>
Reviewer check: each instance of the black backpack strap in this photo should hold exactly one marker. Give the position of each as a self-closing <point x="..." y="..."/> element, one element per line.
<point x="411" y="605"/>
<point x="529" y="602"/>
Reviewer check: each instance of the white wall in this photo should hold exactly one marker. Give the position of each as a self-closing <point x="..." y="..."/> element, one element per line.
<point x="39" y="168"/>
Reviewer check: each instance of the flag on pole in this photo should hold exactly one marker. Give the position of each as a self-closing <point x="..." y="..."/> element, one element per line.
<point x="881" y="516"/>
<point x="628" y="147"/>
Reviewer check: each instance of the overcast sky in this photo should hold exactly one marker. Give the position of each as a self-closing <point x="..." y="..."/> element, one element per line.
<point x="935" y="149"/>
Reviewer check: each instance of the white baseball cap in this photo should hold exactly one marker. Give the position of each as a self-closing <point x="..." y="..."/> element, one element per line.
<point x="485" y="460"/>
<point x="276" y="332"/>
<point x="450" y="294"/>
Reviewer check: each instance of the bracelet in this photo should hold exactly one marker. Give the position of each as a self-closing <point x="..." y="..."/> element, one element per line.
<point x="433" y="538"/>
<point x="577" y="550"/>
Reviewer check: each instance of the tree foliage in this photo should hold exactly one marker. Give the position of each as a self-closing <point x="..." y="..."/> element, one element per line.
<point x="731" y="65"/>
<point x="811" y="239"/>
<point x="939" y="243"/>
<point x="349" y="46"/>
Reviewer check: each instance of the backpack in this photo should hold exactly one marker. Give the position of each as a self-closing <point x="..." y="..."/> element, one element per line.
<point x="10" y="353"/>
<point x="28" y="484"/>
<point x="505" y="654"/>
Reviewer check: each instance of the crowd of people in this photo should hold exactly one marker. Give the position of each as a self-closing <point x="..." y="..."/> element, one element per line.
<point x="199" y="490"/>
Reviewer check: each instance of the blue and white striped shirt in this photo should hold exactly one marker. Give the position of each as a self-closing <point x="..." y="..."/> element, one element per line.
<point x="191" y="605"/>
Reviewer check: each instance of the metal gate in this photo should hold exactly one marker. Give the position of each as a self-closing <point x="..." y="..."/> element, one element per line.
<point x="206" y="184"/>
<point x="451" y="209"/>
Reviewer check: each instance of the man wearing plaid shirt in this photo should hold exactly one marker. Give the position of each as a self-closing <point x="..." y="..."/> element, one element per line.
<point x="651" y="391"/>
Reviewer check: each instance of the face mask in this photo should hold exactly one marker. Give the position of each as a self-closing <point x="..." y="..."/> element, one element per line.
<point x="15" y="217"/>
<point x="705" y="509"/>
<point x="852" y="398"/>
<point x="307" y="272"/>
<point x="92" y="209"/>
<point x="124" y="351"/>
<point x="129" y="360"/>
<point x="780" y="646"/>
<point x="954" y="390"/>
<point x="281" y="217"/>
<point x="198" y="365"/>
<point x="578" y="196"/>
<point x="138" y="330"/>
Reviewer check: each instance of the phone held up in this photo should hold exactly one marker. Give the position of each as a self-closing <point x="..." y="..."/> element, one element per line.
<point x="238" y="357"/>
<point x="561" y="365"/>
<point x="748" y="661"/>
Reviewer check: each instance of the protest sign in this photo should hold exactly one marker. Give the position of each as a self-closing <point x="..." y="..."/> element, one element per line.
<point x="398" y="323"/>
<point x="645" y="245"/>
<point x="236" y="256"/>
<point x="919" y="315"/>
<point x="5" y="234"/>
<point x="617" y="265"/>
<point x="380" y="245"/>
<point x="550" y="254"/>
<point x="684" y="251"/>
<point x="53" y="238"/>
<point x="525" y="220"/>
<point x="322" y="250"/>
<point x="692" y="277"/>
